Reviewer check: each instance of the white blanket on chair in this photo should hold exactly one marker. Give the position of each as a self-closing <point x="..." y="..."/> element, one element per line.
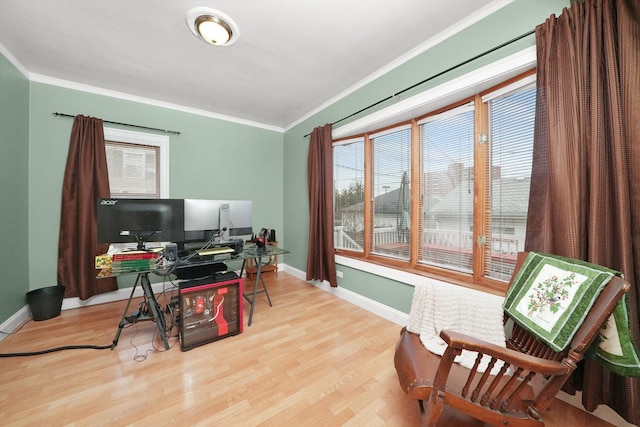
<point x="437" y="306"/>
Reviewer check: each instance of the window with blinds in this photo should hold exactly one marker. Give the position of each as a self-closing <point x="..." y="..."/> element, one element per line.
<point x="348" y="195"/>
<point x="473" y="163"/>
<point x="137" y="163"/>
<point x="391" y="186"/>
<point x="447" y="143"/>
<point x="511" y="114"/>
<point x="133" y="170"/>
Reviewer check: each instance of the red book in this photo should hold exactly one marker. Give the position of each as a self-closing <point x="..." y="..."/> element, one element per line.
<point x="134" y="255"/>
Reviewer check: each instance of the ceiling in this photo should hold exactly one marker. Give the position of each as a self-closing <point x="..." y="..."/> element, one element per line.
<point x="293" y="57"/>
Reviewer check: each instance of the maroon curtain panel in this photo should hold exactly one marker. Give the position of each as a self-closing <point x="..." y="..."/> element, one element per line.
<point x="585" y="181"/>
<point x="321" y="263"/>
<point x="85" y="179"/>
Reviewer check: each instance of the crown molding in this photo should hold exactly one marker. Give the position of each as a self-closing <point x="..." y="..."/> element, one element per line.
<point x="438" y="38"/>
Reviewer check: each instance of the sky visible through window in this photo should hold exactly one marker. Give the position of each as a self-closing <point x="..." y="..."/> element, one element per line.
<point x="444" y="150"/>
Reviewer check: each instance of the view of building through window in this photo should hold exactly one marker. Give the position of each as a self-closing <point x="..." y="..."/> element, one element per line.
<point x="348" y="200"/>
<point x="457" y="222"/>
<point x="447" y="145"/>
<point x="390" y="235"/>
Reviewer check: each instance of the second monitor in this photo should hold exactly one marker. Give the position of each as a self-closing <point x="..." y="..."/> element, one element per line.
<point x="226" y="218"/>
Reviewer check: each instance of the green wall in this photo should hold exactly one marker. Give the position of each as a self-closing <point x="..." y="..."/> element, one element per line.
<point x="210" y="159"/>
<point x="510" y="22"/>
<point x="14" y="188"/>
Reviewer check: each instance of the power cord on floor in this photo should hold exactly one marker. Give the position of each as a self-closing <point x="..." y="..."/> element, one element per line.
<point x="137" y="357"/>
<point x="51" y="350"/>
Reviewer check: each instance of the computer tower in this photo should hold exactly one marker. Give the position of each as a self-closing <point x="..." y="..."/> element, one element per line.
<point x="209" y="311"/>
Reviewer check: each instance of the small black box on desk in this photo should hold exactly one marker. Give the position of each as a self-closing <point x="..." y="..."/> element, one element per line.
<point x="199" y="270"/>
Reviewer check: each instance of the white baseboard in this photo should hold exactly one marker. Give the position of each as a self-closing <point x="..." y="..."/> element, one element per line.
<point x="14" y="322"/>
<point x="396" y="316"/>
<point x="117" y="295"/>
<point x="24" y="314"/>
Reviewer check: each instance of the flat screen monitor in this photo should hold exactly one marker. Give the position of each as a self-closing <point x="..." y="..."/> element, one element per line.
<point x="201" y="220"/>
<point x="237" y="217"/>
<point x="204" y="219"/>
<point x="122" y="220"/>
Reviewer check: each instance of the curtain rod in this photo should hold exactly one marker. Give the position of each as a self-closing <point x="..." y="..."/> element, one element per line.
<point x="434" y="76"/>
<point x="124" y="124"/>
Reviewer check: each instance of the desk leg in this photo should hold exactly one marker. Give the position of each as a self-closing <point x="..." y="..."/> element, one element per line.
<point x="264" y="286"/>
<point x="123" y="321"/>
<point x="158" y="317"/>
<point x="244" y="263"/>
<point x="155" y="309"/>
<point x="258" y="280"/>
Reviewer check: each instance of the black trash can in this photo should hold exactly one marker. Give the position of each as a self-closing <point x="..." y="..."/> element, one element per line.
<point x="45" y="303"/>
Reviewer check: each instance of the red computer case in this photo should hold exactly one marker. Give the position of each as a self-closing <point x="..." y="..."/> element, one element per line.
<point x="209" y="311"/>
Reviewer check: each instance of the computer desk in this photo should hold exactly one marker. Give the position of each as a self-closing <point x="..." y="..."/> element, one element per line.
<point x="250" y="252"/>
<point x="156" y="314"/>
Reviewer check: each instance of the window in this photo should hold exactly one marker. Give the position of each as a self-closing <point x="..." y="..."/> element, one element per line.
<point x="348" y="194"/>
<point x="445" y="193"/>
<point x="137" y="164"/>
<point x="510" y="137"/>
<point x="447" y="145"/>
<point x="391" y="186"/>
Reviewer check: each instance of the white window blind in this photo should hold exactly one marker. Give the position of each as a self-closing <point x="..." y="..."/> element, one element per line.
<point x="348" y="195"/>
<point x="133" y="170"/>
<point x="392" y="193"/>
<point x="138" y="164"/>
<point x="447" y="143"/>
<point x="467" y="212"/>
<point x="511" y="125"/>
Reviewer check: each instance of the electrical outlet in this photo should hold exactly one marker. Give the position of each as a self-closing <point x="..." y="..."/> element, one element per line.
<point x="339" y="273"/>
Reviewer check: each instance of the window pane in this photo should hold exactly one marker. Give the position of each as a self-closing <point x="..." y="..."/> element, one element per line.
<point x="447" y="191"/>
<point x="348" y="196"/>
<point x="511" y="121"/>
<point x="392" y="193"/>
<point x="133" y="170"/>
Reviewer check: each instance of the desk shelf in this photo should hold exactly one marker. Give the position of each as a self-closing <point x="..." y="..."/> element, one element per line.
<point x="270" y="266"/>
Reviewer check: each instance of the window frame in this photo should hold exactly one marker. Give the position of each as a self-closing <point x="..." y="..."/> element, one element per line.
<point x="346" y="143"/>
<point x="148" y="139"/>
<point x="476" y="278"/>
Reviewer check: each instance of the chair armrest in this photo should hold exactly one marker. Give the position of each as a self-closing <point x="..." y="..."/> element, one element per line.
<point x="514" y="358"/>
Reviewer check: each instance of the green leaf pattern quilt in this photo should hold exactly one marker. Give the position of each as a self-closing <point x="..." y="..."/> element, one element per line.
<point x="551" y="295"/>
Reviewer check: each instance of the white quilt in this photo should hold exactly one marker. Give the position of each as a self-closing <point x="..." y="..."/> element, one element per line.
<point x="437" y="306"/>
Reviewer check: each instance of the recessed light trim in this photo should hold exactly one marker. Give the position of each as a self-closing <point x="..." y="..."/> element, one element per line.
<point x="212" y="26"/>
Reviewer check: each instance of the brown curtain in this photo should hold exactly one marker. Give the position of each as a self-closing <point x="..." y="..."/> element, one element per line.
<point x="321" y="263"/>
<point x="85" y="179"/>
<point x="585" y="182"/>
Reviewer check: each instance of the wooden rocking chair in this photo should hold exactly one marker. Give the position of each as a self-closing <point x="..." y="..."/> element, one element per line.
<point x="516" y="396"/>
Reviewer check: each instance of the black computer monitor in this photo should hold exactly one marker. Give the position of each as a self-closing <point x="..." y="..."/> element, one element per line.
<point x="122" y="220"/>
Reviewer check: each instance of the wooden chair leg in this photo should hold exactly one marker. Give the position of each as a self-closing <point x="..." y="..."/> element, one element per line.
<point x="431" y="414"/>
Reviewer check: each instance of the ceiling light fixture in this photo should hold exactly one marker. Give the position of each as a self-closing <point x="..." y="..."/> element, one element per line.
<point x="212" y="26"/>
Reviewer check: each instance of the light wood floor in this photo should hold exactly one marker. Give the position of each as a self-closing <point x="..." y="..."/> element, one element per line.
<point x="310" y="360"/>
